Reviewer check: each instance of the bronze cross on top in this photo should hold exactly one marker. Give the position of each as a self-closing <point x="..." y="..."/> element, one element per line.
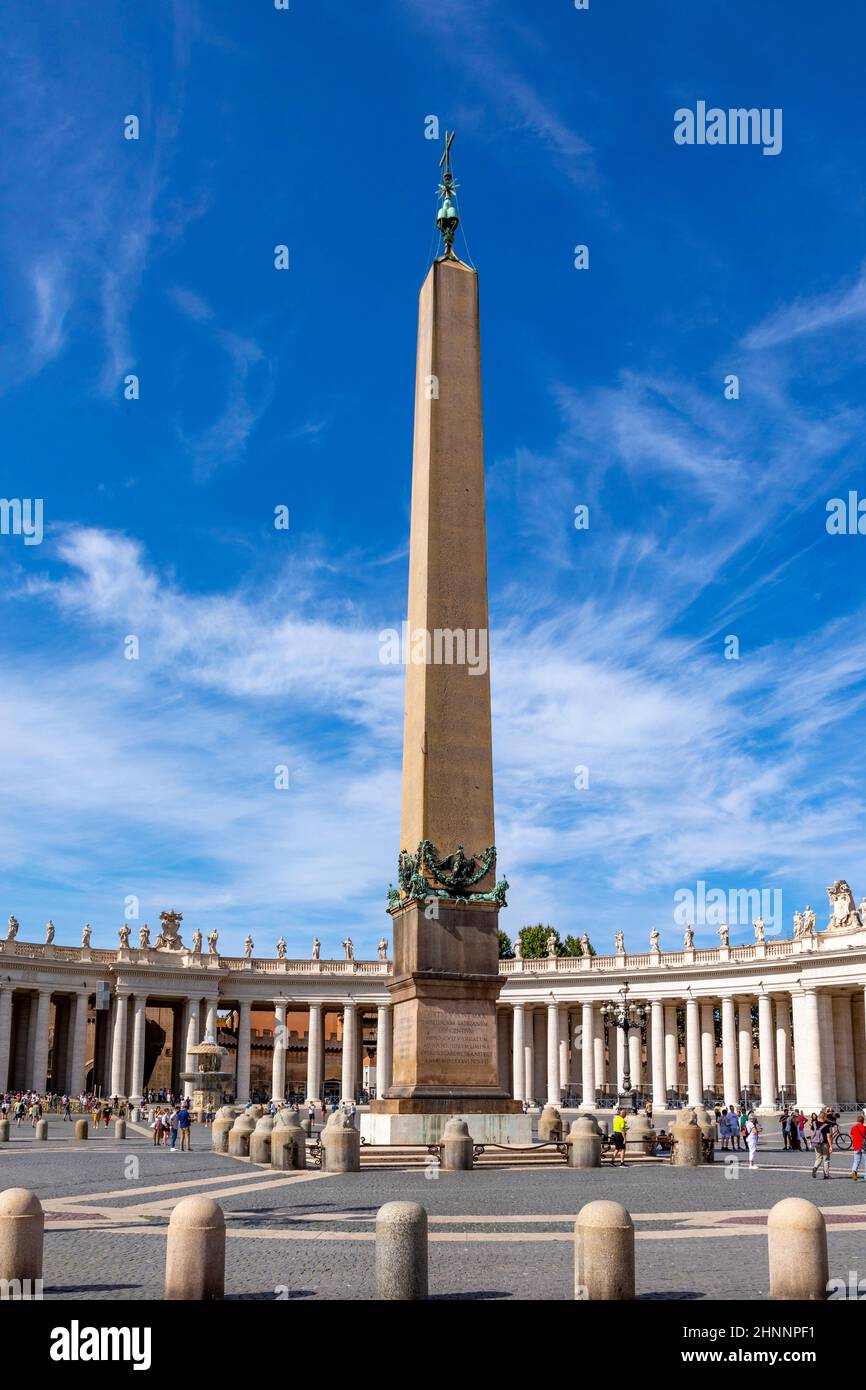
<point x="445" y="161"/>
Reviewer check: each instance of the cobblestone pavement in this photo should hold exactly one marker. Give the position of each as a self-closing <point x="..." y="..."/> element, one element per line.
<point x="494" y="1233"/>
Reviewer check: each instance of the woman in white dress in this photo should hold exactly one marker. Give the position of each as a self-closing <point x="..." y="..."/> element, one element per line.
<point x="752" y="1133"/>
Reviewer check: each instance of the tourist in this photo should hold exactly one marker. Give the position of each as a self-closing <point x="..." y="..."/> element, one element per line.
<point x="620" y="1129"/>
<point x="67" y="1108"/>
<point x="752" y="1132"/>
<point x="20" y="1112"/>
<point x="785" y="1122"/>
<point x="156" y="1126"/>
<point x="733" y="1127"/>
<point x="311" y="1114"/>
<point x="811" y="1127"/>
<point x="801" y="1130"/>
<point x="173" y="1128"/>
<point x="822" y="1144"/>
<point x="858" y="1137"/>
<point x="184" y="1127"/>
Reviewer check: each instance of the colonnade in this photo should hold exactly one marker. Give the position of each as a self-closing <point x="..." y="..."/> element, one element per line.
<point x="805" y="1046"/>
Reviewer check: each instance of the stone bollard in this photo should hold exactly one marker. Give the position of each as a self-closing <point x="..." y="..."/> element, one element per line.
<point x="797" y="1248"/>
<point x="709" y="1132"/>
<point x="401" y="1251"/>
<point x="120" y="1129"/>
<point x="687" y="1151"/>
<point x="640" y="1136"/>
<point x="341" y="1145"/>
<point x="239" y="1136"/>
<point x="219" y="1133"/>
<point x="260" y="1140"/>
<point x="455" y="1153"/>
<point x="288" y="1143"/>
<point x="583" y="1145"/>
<point x="603" y="1253"/>
<point x="81" y="1130"/>
<point x="22" y="1227"/>
<point x="4" y="1131"/>
<point x="550" y="1125"/>
<point x="41" y="1129"/>
<point x="195" y="1257"/>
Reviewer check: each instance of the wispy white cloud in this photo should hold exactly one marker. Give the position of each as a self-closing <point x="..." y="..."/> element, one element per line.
<point x="807" y="316"/>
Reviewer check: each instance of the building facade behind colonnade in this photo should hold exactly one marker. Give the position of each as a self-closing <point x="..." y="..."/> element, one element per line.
<point x="777" y="1022"/>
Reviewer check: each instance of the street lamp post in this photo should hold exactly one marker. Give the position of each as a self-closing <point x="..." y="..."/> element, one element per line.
<point x="625" y="1016"/>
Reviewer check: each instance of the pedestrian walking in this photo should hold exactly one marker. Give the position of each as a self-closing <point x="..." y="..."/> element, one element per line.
<point x="858" y="1138"/>
<point x="822" y="1144"/>
<point x="184" y="1127"/>
<point x="752" y="1133"/>
<point x="620" y="1129"/>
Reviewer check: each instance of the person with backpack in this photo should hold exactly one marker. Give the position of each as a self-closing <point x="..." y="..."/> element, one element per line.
<point x="822" y="1143"/>
<point x="184" y="1127"/>
<point x="858" y="1138"/>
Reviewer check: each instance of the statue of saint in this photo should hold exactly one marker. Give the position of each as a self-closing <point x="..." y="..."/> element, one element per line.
<point x="124" y="937"/>
<point x="383" y="949"/>
<point x="584" y="944"/>
<point x="13" y="929"/>
<point x="758" y="924"/>
<point x="317" y="946"/>
<point x="689" y="939"/>
<point x="196" y="942"/>
<point x="724" y="934"/>
<point x="518" y="949"/>
<point x="808" y="922"/>
<point x="85" y="937"/>
<point x="655" y="938"/>
<point x="798" y="926"/>
<point x="349" y="948"/>
<point x="213" y="938"/>
<point x="144" y="937"/>
<point x="49" y="932"/>
<point x="619" y="943"/>
<point x="551" y="944"/>
<point x="281" y="949"/>
<point x="248" y="948"/>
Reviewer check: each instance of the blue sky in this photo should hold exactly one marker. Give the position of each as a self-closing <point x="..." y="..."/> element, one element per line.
<point x="155" y="777"/>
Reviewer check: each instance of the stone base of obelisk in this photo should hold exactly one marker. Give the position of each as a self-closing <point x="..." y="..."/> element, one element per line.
<point x="445" y="1039"/>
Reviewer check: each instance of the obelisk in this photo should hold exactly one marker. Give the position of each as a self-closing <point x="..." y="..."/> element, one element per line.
<point x="445" y="911"/>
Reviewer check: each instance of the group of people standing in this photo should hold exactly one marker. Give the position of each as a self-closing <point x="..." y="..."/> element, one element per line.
<point x="738" y="1129"/>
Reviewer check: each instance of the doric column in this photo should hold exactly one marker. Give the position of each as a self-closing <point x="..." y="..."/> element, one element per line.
<point x="118" y="1045"/>
<point x="621" y="1044"/>
<point x="587" y="1058"/>
<point x="79" y="1043"/>
<point x="829" y="1090"/>
<point x="278" y="1061"/>
<point x="783" y="1041"/>
<point x="657" y="1032"/>
<point x="843" y="1040"/>
<point x="597" y="1048"/>
<point x="807" y="1050"/>
<point x="350" y="1047"/>
<point x="635" y="1066"/>
<point x="315" y="1054"/>
<point x="553" y="1053"/>
<point x="30" y="1064"/>
<point x="858" y="1014"/>
<point x="767" y="1052"/>
<point x="672" y="1049"/>
<point x="518" y="1050"/>
<point x="359" y="1050"/>
<point x="693" y="1051"/>
<point x="5" y="1034"/>
<point x="708" y="1048"/>
<point x="139" y="1018"/>
<point x="730" y="1078"/>
<point x="529" y="1056"/>
<point x="384" y="1048"/>
<point x="563" y="1050"/>
<point x="242" y="1073"/>
<point x="211" y="1020"/>
<point x="193" y="1035"/>
<point x="744" y="1026"/>
<point x="539" y="1054"/>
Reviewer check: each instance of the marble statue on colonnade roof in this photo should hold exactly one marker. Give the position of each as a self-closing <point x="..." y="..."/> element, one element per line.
<point x="843" y="912"/>
<point x="169" y="932"/>
<point x="13" y="929"/>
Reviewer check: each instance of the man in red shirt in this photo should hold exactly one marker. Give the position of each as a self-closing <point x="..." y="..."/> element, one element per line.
<point x="858" y="1140"/>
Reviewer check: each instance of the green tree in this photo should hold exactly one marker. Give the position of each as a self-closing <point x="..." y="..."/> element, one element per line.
<point x="533" y="941"/>
<point x="506" y="950"/>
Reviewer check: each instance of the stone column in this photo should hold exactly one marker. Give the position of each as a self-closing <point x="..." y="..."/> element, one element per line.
<point x="858" y="1013"/>
<point x="278" y="1061"/>
<point x="807" y="1050"/>
<point x="316" y="1054"/>
<point x="621" y="1045"/>
<point x="350" y="1043"/>
<point x="843" y="1039"/>
<point x="598" y="1046"/>
<point x="539" y="1053"/>
<point x="657" y="1030"/>
<point x="503" y="1050"/>
<point x="193" y="1038"/>
<point x="744" y="1025"/>
<point x="242" y="1073"/>
<point x="518" y="1054"/>
<point x="575" y="1069"/>
<point x="553" y="1054"/>
<point x="118" y="1045"/>
<point x="39" y="1073"/>
<point x="635" y="1060"/>
<point x="211" y="1022"/>
<point x="384" y="1048"/>
<point x="529" y="1056"/>
<point x="828" y="1049"/>
<point x="767" y="1053"/>
<point x="672" y="1049"/>
<point x="563" y="1050"/>
<point x="783" y="1041"/>
<point x="708" y="1048"/>
<point x="730" y="1078"/>
<point x="359" y="1049"/>
<point x="79" y="1044"/>
<point x="693" y="1052"/>
<point x="30" y="1055"/>
<point x="136" y="1083"/>
<point x="5" y="1034"/>
<point x="587" y="1058"/>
